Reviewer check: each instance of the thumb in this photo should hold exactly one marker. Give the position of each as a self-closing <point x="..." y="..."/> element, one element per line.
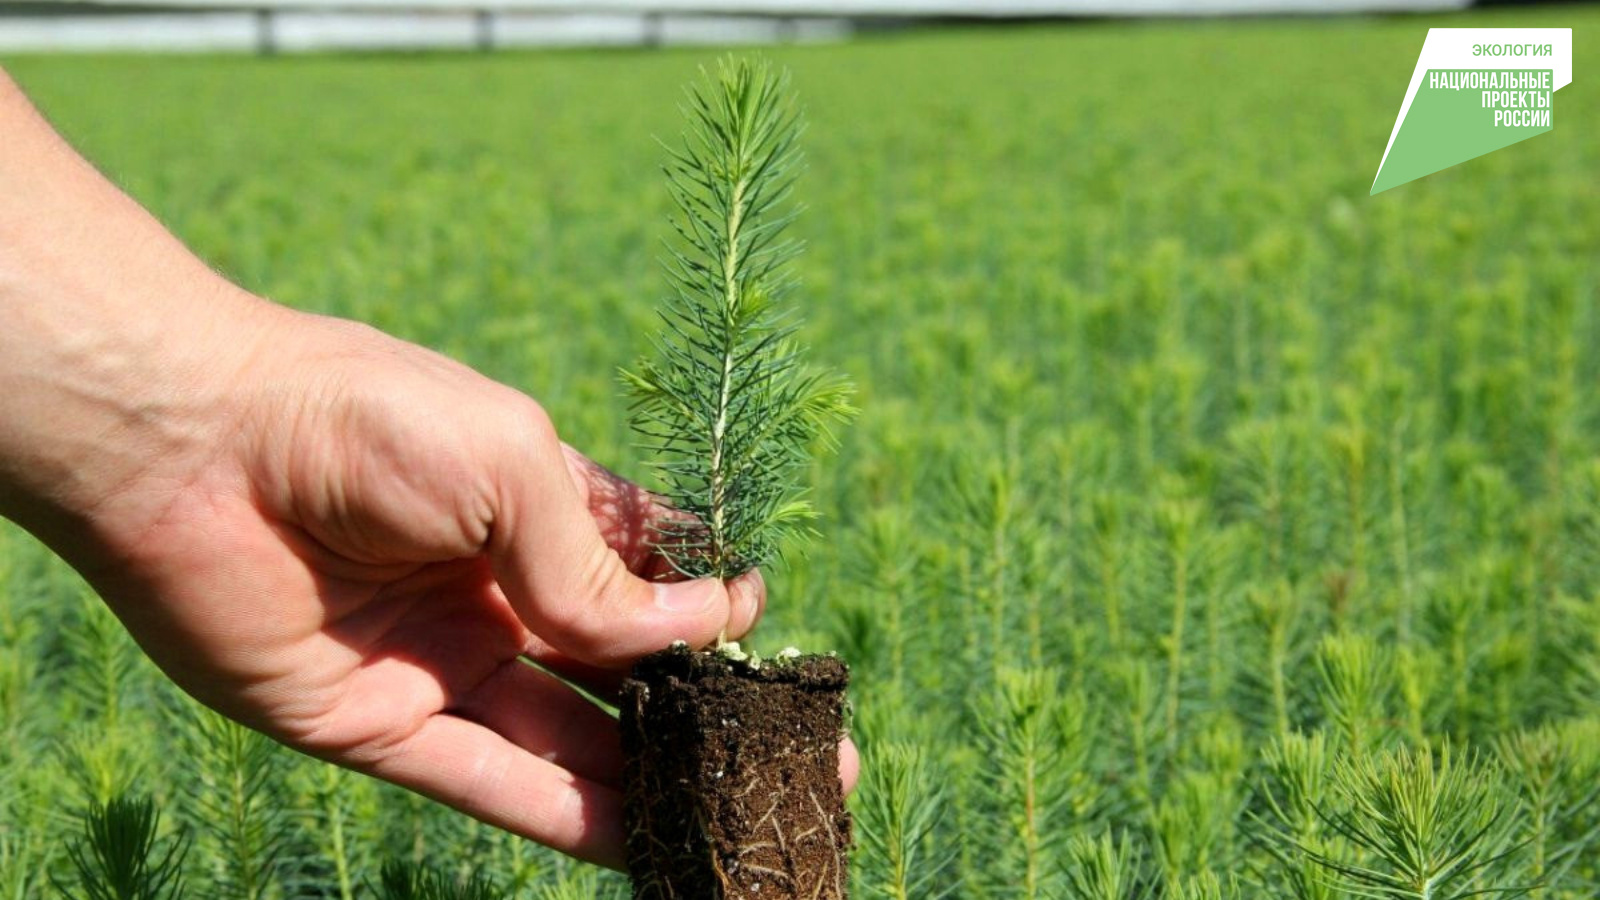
<point x="564" y="581"/>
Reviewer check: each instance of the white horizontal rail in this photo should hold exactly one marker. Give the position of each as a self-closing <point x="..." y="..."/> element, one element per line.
<point x="861" y="8"/>
<point x="273" y="26"/>
<point x="298" y="30"/>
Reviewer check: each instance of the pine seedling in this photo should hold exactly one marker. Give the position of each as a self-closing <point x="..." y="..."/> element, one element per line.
<point x="23" y="852"/>
<point x="1104" y="868"/>
<point x="1288" y="821"/>
<point x="1206" y="886"/>
<point x="727" y="405"/>
<point x="100" y="765"/>
<point x="411" y="881"/>
<point x="1109" y="562"/>
<point x="902" y="805"/>
<point x="1192" y="826"/>
<point x="1428" y="827"/>
<point x="17" y="677"/>
<point x="1554" y="777"/>
<point x="964" y="765"/>
<point x="1417" y="678"/>
<point x="122" y="857"/>
<point x="1038" y="740"/>
<point x="1579" y="836"/>
<point x="1177" y="520"/>
<point x="1577" y="552"/>
<point x="1455" y="620"/>
<point x="1136" y="696"/>
<point x="518" y="863"/>
<point x="886" y="563"/>
<point x="982" y="502"/>
<point x="104" y="660"/>
<point x="13" y="863"/>
<point x="19" y="664"/>
<point x="1274" y="613"/>
<point x="577" y="883"/>
<point x="1355" y="690"/>
<point x="731" y="413"/>
<point x="1273" y="488"/>
<point x="336" y="802"/>
<point x="236" y="805"/>
<point x="1402" y="547"/>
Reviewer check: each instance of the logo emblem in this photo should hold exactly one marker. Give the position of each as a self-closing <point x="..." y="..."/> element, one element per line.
<point x="1474" y="91"/>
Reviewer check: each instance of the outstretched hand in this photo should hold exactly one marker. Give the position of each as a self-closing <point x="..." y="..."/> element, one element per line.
<point x="363" y="557"/>
<point x="341" y="539"/>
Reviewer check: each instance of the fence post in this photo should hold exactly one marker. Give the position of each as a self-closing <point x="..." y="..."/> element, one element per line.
<point x="484" y="29"/>
<point x="266" y="32"/>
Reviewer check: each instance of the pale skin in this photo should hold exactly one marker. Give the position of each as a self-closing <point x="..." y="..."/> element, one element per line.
<point x="345" y="541"/>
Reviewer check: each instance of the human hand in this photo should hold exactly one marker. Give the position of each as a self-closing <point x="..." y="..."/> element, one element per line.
<point x="364" y="552"/>
<point x="340" y="539"/>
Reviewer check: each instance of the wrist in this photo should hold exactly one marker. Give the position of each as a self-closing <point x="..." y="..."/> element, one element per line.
<point x="114" y="403"/>
<point x="120" y="347"/>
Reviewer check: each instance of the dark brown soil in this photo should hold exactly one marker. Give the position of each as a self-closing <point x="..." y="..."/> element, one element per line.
<point x="732" y="778"/>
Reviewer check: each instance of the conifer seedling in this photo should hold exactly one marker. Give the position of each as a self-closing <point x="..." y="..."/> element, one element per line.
<point x="732" y="784"/>
<point x="727" y="405"/>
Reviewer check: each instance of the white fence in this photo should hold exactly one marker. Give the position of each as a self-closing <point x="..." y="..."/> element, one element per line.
<point x="299" y="25"/>
<point x="301" y="29"/>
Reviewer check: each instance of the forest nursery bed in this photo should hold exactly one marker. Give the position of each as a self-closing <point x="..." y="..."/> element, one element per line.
<point x="1215" y="531"/>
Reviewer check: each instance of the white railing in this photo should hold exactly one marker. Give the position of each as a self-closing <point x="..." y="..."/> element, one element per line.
<point x="292" y="25"/>
<point x="846" y="8"/>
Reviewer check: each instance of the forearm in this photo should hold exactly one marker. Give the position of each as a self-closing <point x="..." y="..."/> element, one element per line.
<point x="116" y="339"/>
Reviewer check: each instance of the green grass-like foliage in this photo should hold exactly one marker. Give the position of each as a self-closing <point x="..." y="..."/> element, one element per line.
<point x="1103" y="868"/>
<point x="1429" y="827"/>
<point x="900" y="812"/>
<point x="234" y="806"/>
<point x="727" y="405"/>
<point x="409" y="881"/>
<point x="122" y="857"/>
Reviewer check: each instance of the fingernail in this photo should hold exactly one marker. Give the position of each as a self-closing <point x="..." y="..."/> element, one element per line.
<point x="849" y="765"/>
<point x="685" y="598"/>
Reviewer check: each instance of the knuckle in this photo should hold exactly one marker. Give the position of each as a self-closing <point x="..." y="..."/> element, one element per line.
<point x="487" y="776"/>
<point x="534" y="427"/>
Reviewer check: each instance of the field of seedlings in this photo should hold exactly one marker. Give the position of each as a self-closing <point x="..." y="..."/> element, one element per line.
<point x="1210" y="529"/>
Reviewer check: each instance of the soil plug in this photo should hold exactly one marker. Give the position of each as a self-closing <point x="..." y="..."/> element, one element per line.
<point x="733" y="777"/>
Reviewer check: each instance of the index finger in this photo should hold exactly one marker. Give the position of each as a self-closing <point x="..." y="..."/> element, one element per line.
<point x="469" y="767"/>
